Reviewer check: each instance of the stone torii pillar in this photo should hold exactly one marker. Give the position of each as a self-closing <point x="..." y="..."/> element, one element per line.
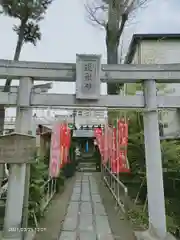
<point x="154" y="173"/>
<point x="18" y="172"/>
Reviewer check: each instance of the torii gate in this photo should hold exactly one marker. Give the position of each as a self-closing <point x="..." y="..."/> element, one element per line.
<point x="88" y="73"/>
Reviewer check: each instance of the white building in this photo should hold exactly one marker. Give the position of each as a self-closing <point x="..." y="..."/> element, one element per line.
<point x="85" y="117"/>
<point x="48" y="117"/>
<point x="158" y="49"/>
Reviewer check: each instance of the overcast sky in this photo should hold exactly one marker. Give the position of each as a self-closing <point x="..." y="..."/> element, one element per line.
<point x="65" y="32"/>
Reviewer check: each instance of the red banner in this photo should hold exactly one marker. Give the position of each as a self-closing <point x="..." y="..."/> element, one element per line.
<point x="113" y="146"/>
<point x="55" y="152"/>
<point x="122" y="161"/>
<point x="65" y="136"/>
<point x="105" y="157"/>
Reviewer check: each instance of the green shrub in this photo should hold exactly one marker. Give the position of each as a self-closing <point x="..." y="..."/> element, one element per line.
<point x="38" y="176"/>
<point x="171" y="165"/>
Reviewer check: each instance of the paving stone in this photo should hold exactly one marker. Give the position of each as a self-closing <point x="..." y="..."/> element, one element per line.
<point x="94" y="191"/>
<point x="75" y="197"/>
<point x="85" y="186"/>
<point x="85" y="198"/>
<point x="87" y="174"/>
<point x="68" y="235"/>
<point x="72" y="214"/>
<point x="96" y="198"/>
<point x="85" y="192"/>
<point x="85" y="189"/>
<point x="85" y="180"/>
<point x="99" y="209"/>
<point x="102" y="225"/>
<point x="87" y="235"/>
<point x="105" y="237"/>
<point x="86" y="222"/>
<point x="73" y="205"/>
<point x="78" y="180"/>
<point x="80" y="210"/>
<point x="91" y="179"/>
<point x="86" y="208"/>
<point x="70" y="223"/>
<point x="93" y="186"/>
<point x="78" y="183"/>
<point x="76" y="190"/>
<point x="73" y="208"/>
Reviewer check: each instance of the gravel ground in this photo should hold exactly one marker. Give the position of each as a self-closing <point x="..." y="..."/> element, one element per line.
<point x="54" y="216"/>
<point x="120" y="227"/>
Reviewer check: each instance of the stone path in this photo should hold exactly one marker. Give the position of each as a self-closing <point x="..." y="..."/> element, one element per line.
<point x="86" y="218"/>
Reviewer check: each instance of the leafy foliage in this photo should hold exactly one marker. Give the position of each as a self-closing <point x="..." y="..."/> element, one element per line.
<point x="136" y="181"/>
<point x="30" y="13"/>
<point x="171" y="155"/>
<point x="31" y="32"/>
<point x="39" y="174"/>
<point x="25" y="9"/>
<point x="138" y="218"/>
<point x="171" y="172"/>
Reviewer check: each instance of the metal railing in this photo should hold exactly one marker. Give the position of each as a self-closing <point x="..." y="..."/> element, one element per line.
<point x="49" y="189"/>
<point x="118" y="190"/>
<point x="3" y="191"/>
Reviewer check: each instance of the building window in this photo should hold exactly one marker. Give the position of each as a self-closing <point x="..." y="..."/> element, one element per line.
<point x="79" y="113"/>
<point x="86" y="113"/>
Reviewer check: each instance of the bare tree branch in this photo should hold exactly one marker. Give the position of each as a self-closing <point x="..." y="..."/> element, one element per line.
<point x="112" y="15"/>
<point x="92" y="12"/>
<point x="97" y="11"/>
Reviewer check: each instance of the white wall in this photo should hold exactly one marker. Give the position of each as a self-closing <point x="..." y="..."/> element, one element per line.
<point x="86" y="117"/>
<point x="162" y="52"/>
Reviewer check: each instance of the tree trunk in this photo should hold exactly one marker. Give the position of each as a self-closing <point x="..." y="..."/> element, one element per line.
<point x="2" y="116"/>
<point x="117" y="17"/>
<point x="17" y="52"/>
<point x="112" y="58"/>
<point x="114" y="29"/>
<point x="8" y="80"/>
<point x="7" y="88"/>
